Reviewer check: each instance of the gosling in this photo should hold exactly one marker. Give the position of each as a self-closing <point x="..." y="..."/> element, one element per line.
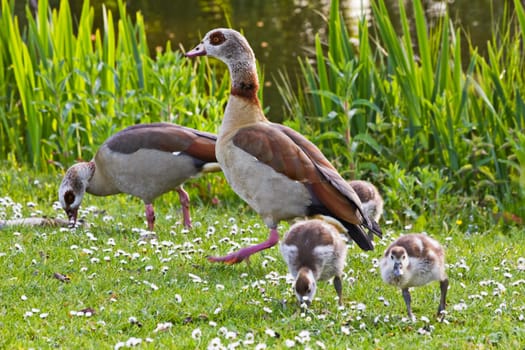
<point x="370" y="198"/>
<point x="315" y="250"/>
<point x="415" y="260"/>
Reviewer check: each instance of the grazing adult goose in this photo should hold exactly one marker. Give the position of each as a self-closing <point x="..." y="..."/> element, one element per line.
<point x="144" y="160"/>
<point x="371" y="200"/>
<point x="415" y="260"/>
<point x="315" y="251"/>
<point x="276" y="170"/>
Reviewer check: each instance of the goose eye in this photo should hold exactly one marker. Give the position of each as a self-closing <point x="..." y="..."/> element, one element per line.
<point x="217" y="38"/>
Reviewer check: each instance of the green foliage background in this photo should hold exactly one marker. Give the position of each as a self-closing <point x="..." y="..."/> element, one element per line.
<point x="393" y="109"/>
<point x="381" y="102"/>
<point x="64" y="93"/>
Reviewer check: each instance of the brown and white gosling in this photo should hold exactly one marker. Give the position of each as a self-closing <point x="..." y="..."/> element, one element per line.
<point x="371" y="200"/>
<point x="314" y="250"/>
<point x="415" y="260"/>
<point x="144" y="160"/>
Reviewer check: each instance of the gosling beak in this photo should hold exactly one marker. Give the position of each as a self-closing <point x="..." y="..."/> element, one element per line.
<point x="72" y="216"/>
<point x="305" y="302"/>
<point x="199" y="50"/>
<point x="398" y="272"/>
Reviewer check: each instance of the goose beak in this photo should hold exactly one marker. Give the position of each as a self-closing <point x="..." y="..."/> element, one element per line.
<point x="398" y="272"/>
<point x="199" y="50"/>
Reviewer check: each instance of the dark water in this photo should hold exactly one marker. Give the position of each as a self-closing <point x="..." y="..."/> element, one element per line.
<point x="280" y="30"/>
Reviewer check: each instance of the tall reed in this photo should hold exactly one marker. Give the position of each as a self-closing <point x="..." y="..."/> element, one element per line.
<point x="66" y="87"/>
<point x="408" y="98"/>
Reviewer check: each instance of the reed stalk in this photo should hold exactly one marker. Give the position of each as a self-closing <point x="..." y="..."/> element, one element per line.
<point x="406" y="97"/>
<point x="67" y="86"/>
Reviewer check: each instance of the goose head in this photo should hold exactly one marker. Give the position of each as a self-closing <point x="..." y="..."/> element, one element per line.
<point x="73" y="187"/>
<point x="398" y="258"/>
<point x="232" y="48"/>
<point x="225" y="44"/>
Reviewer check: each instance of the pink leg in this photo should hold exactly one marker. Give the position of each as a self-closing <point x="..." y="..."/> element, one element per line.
<point x="245" y="253"/>
<point x="150" y="216"/>
<point x="185" y="204"/>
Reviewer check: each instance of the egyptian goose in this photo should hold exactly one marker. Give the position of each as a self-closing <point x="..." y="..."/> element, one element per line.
<point x="276" y="170"/>
<point x="314" y="250"/>
<point x="415" y="260"/>
<point x="144" y="160"/>
<point x="371" y="200"/>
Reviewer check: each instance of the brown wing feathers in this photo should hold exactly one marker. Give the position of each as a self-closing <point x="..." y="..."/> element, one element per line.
<point x="305" y="164"/>
<point x="341" y="194"/>
<point x="272" y="148"/>
<point x="165" y="137"/>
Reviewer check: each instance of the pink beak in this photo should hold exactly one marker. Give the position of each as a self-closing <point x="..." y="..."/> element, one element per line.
<point x="199" y="50"/>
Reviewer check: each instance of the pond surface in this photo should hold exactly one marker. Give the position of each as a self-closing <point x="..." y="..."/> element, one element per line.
<point x="279" y="31"/>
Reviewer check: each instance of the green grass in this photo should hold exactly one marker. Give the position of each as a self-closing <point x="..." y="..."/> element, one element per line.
<point x="119" y="277"/>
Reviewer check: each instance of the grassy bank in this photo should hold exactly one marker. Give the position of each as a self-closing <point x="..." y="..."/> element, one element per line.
<point x="164" y="293"/>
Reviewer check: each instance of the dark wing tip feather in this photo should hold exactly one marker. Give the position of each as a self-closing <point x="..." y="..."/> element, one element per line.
<point x="363" y="240"/>
<point x="359" y="236"/>
<point x="372" y="225"/>
<point x="376" y="229"/>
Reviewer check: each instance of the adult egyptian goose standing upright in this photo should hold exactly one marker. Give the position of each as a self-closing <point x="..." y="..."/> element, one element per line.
<point x="144" y="160"/>
<point x="276" y="170"/>
<point x="414" y="260"/>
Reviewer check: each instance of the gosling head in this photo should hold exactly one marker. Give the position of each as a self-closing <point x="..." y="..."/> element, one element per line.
<point x="398" y="257"/>
<point x="305" y="286"/>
